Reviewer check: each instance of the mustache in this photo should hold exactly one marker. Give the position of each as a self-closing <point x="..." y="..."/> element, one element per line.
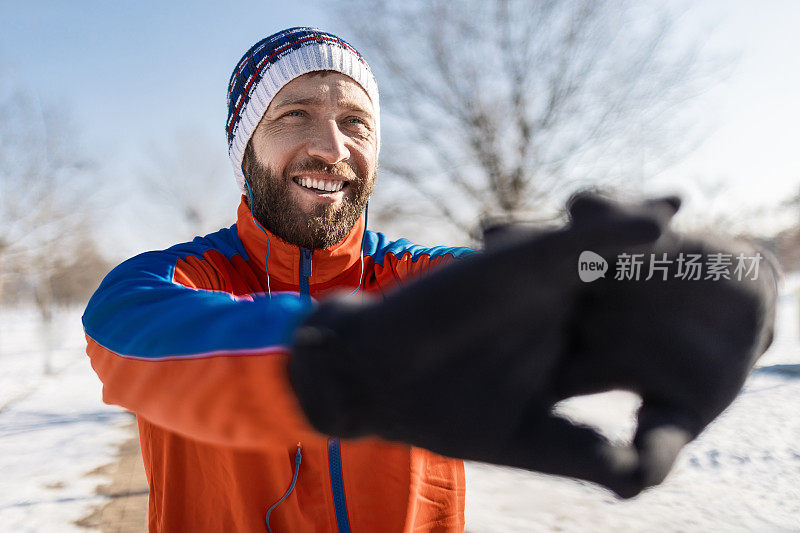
<point x="341" y="170"/>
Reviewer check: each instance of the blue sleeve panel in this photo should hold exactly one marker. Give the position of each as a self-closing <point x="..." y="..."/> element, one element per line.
<point x="377" y="246"/>
<point x="139" y="311"/>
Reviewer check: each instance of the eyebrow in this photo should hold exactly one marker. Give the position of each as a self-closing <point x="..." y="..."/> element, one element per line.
<point x="311" y="101"/>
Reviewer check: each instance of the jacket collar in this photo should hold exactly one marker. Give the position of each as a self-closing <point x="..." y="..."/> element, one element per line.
<point x="284" y="258"/>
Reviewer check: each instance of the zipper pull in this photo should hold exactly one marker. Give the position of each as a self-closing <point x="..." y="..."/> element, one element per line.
<point x="297" y="458"/>
<point x="305" y="262"/>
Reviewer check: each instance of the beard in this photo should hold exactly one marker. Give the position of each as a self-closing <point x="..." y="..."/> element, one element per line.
<point x="327" y="224"/>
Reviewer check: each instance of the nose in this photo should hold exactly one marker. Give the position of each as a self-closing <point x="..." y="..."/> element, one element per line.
<point x="328" y="143"/>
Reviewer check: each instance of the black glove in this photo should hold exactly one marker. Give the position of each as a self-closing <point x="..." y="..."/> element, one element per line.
<point x="463" y="362"/>
<point x="684" y="345"/>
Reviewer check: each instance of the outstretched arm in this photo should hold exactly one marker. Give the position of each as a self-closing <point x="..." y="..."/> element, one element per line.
<point x="199" y="362"/>
<point x="469" y="361"/>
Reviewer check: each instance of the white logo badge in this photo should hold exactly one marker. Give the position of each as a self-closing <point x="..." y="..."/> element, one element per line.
<point x="591" y="266"/>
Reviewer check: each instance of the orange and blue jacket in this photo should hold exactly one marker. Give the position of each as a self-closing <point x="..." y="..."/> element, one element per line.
<point x="195" y="340"/>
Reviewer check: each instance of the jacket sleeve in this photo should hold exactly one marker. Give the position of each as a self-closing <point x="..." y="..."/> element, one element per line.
<point x="202" y="363"/>
<point x="399" y="261"/>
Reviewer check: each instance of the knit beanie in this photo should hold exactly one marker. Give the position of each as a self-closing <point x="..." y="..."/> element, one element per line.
<point x="275" y="61"/>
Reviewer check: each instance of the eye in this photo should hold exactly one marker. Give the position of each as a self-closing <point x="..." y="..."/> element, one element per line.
<point x="293" y="113"/>
<point x="358" y="122"/>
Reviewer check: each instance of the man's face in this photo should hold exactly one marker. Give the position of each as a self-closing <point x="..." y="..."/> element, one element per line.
<point x="313" y="160"/>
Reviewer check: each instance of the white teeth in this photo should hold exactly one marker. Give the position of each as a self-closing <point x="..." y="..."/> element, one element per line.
<point x="321" y="185"/>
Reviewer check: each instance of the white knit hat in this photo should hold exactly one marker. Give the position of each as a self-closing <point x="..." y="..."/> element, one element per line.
<point x="275" y="61"/>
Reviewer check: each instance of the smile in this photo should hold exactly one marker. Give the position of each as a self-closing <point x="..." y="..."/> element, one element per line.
<point x="320" y="185"/>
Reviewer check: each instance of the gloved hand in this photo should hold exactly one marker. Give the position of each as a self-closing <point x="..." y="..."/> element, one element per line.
<point x="684" y="345"/>
<point x="464" y="362"/>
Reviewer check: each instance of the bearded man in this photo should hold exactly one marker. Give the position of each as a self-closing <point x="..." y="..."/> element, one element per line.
<point x="243" y="385"/>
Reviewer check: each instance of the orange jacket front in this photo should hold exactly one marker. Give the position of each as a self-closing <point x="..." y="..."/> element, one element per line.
<point x="189" y="340"/>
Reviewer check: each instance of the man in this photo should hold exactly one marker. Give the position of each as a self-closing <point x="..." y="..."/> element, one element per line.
<point x="240" y="383"/>
<point x="195" y="339"/>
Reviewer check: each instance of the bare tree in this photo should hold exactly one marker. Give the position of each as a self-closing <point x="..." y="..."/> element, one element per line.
<point x="189" y="180"/>
<point x="45" y="210"/>
<point x="499" y="108"/>
<point x="44" y="197"/>
<point x="785" y="243"/>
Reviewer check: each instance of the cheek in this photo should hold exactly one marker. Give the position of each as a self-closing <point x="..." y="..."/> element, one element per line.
<point x="276" y="150"/>
<point x="367" y="160"/>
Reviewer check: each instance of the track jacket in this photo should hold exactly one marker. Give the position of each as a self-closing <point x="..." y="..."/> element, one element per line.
<point x="188" y="340"/>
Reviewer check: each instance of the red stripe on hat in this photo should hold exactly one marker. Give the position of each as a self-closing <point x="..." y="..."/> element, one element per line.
<point x="276" y="52"/>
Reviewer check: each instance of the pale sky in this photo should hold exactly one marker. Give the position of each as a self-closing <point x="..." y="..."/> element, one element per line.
<point x="753" y="152"/>
<point x="133" y="73"/>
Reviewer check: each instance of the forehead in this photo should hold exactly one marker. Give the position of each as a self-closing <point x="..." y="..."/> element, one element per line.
<point x="328" y="88"/>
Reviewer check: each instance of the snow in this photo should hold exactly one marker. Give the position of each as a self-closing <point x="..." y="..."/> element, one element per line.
<point x="741" y="474"/>
<point x="54" y="429"/>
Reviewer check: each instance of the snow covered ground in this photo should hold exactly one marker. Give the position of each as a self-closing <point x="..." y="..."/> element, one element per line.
<point x="54" y="429"/>
<point x="742" y="474"/>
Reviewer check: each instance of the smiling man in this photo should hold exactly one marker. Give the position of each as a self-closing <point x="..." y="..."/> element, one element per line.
<point x="265" y="402"/>
<point x="196" y="339"/>
<point x="311" y="161"/>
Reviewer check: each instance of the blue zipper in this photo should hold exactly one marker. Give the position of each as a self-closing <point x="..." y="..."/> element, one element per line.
<point x="305" y="273"/>
<point x="334" y="450"/>
<point x="337" y="485"/>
